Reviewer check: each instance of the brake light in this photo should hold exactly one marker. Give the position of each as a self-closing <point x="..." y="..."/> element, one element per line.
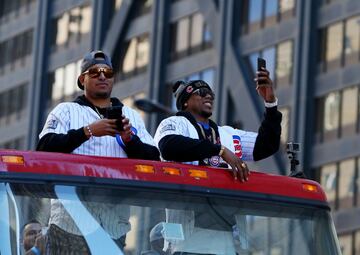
<point x="13" y="159"/>
<point x="198" y="174"/>
<point x="145" y="169"/>
<point x="309" y="187"/>
<point x="171" y="171"/>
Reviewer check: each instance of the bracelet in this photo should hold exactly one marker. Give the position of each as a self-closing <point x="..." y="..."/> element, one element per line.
<point x="88" y="128"/>
<point x="35" y="250"/>
<point x="273" y="104"/>
<point x="221" y="152"/>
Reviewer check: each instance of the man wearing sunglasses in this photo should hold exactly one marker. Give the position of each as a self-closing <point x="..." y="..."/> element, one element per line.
<point x="192" y="137"/>
<point x="83" y="127"/>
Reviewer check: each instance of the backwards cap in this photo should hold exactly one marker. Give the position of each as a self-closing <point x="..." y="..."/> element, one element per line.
<point x="92" y="58"/>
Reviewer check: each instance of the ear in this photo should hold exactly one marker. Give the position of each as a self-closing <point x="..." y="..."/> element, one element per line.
<point x="185" y="105"/>
<point x="82" y="78"/>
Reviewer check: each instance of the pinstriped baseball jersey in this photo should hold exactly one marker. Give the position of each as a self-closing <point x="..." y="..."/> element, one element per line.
<point x="240" y="142"/>
<point x="114" y="218"/>
<point x="70" y="115"/>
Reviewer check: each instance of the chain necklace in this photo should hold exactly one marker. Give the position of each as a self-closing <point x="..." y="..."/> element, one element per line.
<point x="97" y="111"/>
<point x="213" y="134"/>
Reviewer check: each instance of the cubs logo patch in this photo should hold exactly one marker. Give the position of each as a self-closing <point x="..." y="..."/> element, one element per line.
<point x="189" y="89"/>
<point x="52" y="123"/>
<point x="214" y="161"/>
<point x="237" y="146"/>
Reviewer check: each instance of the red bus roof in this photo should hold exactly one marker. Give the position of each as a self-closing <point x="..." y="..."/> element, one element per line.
<point x="46" y="163"/>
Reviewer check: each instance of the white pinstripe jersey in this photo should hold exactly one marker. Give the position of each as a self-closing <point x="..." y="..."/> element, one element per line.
<point x="238" y="141"/>
<point x="65" y="116"/>
<point x="70" y="115"/>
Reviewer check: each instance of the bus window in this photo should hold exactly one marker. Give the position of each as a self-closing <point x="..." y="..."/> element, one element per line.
<point x="86" y="219"/>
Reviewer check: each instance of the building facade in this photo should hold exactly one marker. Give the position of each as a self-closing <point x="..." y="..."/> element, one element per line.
<point x="312" y="52"/>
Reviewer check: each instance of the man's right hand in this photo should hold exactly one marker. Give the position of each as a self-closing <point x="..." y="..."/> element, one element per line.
<point x="102" y="127"/>
<point x="40" y="243"/>
<point x="239" y="168"/>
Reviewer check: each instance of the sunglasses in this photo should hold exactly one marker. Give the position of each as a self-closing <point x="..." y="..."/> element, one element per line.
<point x="96" y="71"/>
<point x="203" y="92"/>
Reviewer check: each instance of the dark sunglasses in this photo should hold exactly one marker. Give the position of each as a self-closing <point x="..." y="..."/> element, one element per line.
<point x="96" y="71"/>
<point x="203" y="92"/>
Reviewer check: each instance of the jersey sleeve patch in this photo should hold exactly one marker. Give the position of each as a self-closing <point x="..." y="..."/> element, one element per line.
<point x="51" y="124"/>
<point x="168" y="127"/>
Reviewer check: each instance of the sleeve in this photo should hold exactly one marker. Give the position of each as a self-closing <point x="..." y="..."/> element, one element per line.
<point x="142" y="145"/>
<point x="243" y="142"/>
<point x="172" y="137"/>
<point x="56" y="136"/>
<point x="268" y="139"/>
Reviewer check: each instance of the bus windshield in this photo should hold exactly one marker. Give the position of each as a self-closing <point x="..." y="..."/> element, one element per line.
<point x="81" y="219"/>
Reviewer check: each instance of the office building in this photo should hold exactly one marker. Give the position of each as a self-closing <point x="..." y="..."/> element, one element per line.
<point x="312" y="52"/>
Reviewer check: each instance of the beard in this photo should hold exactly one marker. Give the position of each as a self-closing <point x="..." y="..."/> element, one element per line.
<point x="206" y="114"/>
<point x="102" y="95"/>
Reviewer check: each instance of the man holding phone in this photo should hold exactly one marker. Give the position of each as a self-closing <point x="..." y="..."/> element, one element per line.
<point x="192" y="137"/>
<point x="96" y="123"/>
<point x="100" y="125"/>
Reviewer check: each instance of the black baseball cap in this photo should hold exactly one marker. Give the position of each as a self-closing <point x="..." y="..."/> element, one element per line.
<point x="182" y="91"/>
<point x="92" y="58"/>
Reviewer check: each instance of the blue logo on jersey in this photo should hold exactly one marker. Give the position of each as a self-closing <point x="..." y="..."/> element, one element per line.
<point x="134" y="131"/>
<point x="237" y="146"/>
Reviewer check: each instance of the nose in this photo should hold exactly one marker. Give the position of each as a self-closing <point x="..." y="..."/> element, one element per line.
<point x="209" y="96"/>
<point x="102" y="76"/>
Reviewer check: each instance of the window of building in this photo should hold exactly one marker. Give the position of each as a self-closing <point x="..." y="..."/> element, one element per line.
<point x="10" y="8"/>
<point x="349" y="111"/>
<point x="71" y="27"/>
<point x="331" y="116"/>
<point x="142" y="53"/>
<point x="345" y="242"/>
<point x="264" y="13"/>
<point x="334" y="45"/>
<point x="189" y="35"/>
<point x="357" y="185"/>
<point x="15" y="51"/>
<point x="135" y="57"/>
<point x="357" y="242"/>
<point x="271" y="12"/>
<point x="328" y="180"/>
<point x="339" y="44"/>
<point x="269" y="55"/>
<point x="279" y="62"/>
<point x="142" y="7"/>
<point x="286" y="8"/>
<point x="285" y="124"/>
<point x="63" y="83"/>
<point x="346" y="183"/>
<point x="13" y="104"/>
<point x="284" y="62"/>
<point x="352" y="40"/>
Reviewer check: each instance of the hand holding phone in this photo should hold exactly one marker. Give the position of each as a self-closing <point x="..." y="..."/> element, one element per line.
<point x="261" y="63"/>
<point x="115" y="112"/>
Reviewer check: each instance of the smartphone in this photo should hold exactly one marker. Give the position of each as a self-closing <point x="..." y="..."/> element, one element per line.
<point x="115" y="112"/>
<point x="261" y="63"/>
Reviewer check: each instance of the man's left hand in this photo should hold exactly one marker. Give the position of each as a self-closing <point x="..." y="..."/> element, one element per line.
<point x="127" y="133"/>
<point x="264" y="86"/>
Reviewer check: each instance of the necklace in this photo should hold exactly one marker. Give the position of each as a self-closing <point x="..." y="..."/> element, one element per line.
<point x="213" y="135"/>
<point x="97" y="111"/>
